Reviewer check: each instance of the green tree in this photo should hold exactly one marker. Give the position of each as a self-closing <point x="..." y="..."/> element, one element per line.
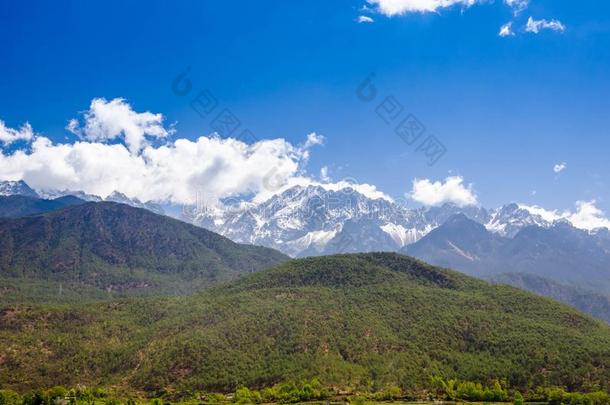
<point x="518" y="398"/>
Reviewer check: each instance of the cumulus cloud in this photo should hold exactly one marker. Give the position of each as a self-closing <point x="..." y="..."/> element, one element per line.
<point x="547" y="215"/>
<point x="392" y="8"/>
<point x="177" y="172"/>
<point x="11" y="135"/>
<point x="506" y="30"/>
<point x="364" y="19"/>
<point x="452" y="190"/>
<point x="367" y="190"/>
<point x="115" y="119"/>
<point x="535" y="26"/>
<point x="113" y="154"/>
<point x="559" y="167"/>
<point x="586" y="215"/>
<point x="517" y="5"/>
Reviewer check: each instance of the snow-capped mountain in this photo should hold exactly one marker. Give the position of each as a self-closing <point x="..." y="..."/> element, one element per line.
<point x="312" y="220"/>
<point x="53" y="194"/>
<point x="121" y="198"/>
<point x="20" y="187"/>
<point x="309" y="220"/>
<point x="16" y="188"/>
<point x="560" y="252"/>
<point x="510" y="219"/>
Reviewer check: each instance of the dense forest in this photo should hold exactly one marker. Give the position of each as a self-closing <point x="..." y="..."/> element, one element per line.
<point x="360" y="323"/>
<point x="109" y="250"/>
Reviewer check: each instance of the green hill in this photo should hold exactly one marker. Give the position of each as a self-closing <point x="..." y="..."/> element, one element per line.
<point x="365" y="321"/>
<point x="118" y="248"/>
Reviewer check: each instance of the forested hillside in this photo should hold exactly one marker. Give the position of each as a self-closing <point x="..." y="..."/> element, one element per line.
<point x="118" y="248"/>
<point x="365" y="320"/>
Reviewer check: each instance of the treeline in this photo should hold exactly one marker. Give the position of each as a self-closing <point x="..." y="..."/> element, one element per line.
<point x="455" y="390"/>
<point x="314" y="390"/>
<point x="469" y="391"/>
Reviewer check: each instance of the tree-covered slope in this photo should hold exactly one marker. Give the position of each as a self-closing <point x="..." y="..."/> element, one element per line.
<point x="363" y="320"/>
<point x="117" y="247"/>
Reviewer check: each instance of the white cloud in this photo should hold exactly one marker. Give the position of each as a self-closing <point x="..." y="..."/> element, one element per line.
<point x="314" y="139"/>
<point x="452" y="190"/>
<point x="10" y="135"/>
<point x="517" y="5"/>
<point x="535" y="26"/>
<point x="559" y="167"/>
<point x="108" y="120"/>
<point x="324" y="174"/>
<point x="364" y="19"/>
<point x="547" y="215"/>
<point x="182" y="171"/>
<point x="178" y="171"/>
<point x="367" y="190"/>
<point x="392" y="8"/>
<point x="586" y="216"/>
<point x="506" y="30"/>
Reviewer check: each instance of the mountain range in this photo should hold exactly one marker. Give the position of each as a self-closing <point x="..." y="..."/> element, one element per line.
<point x="314" y="220"/>
<point x="559" y="252"/>
<point x="156" y="305"/>
<point x="21" y="188"/>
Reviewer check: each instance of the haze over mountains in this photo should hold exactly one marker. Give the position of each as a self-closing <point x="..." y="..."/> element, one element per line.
<point x="560" y="252"/>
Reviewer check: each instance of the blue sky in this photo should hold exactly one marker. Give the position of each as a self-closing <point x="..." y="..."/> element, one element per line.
<point x="507" y="109"/>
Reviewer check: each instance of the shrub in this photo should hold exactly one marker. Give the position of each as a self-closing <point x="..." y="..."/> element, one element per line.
<point x="9" y="397"/>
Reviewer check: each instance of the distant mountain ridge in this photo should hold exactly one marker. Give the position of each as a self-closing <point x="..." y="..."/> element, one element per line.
<point x="8" y="188"/>
<point x="560" y="252"/>
<point x="116" y="247"/>
<point x="586" y="301"/>
<point x="15" y="206"/>
<point x="315" y="220"/>
<point x="115" y="196"/>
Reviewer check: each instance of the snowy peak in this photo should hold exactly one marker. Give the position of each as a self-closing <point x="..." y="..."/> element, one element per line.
<point x="121" y="198"/>
<point x="8" y="188"/>
<point x="509" y="219"/>
<point x="53" y="194"/>
<point x="312" y="220"/>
